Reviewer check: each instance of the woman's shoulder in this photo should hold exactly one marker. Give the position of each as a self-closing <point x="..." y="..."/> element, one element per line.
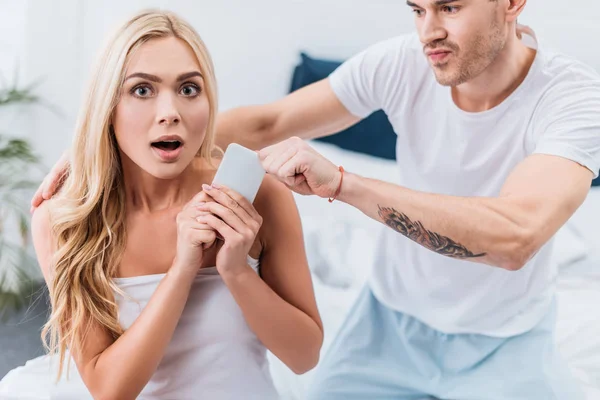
<point x="275" y="203"/>
<point x="272" y="192"/>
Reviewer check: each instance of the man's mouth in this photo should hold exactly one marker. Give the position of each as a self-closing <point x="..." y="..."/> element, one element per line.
<point x="438" y="55"/>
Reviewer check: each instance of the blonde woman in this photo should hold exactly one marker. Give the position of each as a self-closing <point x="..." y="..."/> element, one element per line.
<point x="161" y="286"/>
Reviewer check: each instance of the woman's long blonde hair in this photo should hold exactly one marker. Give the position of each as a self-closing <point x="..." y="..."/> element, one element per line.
<point x="88" y="215"/>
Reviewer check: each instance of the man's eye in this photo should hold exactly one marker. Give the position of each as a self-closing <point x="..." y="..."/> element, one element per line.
<point x="417" y="12"/>
<point x="190" y="90"/>
<point x="450" y="9"/>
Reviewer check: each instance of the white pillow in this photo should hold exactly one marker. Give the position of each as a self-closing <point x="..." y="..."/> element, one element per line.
<point x="578" y="327"/>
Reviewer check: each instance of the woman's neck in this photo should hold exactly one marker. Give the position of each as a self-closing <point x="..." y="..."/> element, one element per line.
<point x="147" y="194"/>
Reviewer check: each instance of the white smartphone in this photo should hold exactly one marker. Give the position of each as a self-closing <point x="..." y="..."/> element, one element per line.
<point x="241" y="171"/>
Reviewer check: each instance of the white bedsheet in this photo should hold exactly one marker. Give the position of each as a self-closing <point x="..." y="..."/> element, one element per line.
<point x="340" y="244"/>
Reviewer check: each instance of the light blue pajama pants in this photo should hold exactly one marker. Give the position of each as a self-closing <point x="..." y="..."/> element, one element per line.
<point x="382" y="354"/>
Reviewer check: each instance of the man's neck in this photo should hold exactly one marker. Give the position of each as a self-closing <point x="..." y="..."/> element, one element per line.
<point x="498" y="81"/>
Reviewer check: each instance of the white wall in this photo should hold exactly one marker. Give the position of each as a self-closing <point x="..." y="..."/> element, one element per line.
<point x="13" y="26"/>
<point x="13" y="17"/>
<point x="254" y="45"/>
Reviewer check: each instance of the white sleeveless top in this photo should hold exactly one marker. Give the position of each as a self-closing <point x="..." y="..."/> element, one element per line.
<point x="213" y="353"/>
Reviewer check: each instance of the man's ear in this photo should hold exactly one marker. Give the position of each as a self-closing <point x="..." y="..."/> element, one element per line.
<point x="515" y="8"/>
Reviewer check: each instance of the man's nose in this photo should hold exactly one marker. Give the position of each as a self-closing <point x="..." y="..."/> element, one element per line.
<point x="431" y="30"/>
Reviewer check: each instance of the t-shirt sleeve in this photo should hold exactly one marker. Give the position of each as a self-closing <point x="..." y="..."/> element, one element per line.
<point x="365" y="83"/>
<point x="570" y="123"/>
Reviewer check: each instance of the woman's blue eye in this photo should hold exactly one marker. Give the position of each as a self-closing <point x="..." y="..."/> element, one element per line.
<point x="190" y="90"/>
<point x="142" y="91"/>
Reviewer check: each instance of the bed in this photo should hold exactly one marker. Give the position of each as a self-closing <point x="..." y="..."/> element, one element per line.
<point x="340" y="245"/>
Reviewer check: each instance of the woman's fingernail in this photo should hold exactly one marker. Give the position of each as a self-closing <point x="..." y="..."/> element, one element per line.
<point x="216" y="185"/>
<point x="206" y="187"/>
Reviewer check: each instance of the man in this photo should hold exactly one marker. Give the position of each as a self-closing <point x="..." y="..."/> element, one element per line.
<point x="497" y="146"/>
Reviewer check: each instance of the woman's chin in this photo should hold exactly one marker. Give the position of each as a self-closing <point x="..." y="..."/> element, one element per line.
<point x="167" y="171"/>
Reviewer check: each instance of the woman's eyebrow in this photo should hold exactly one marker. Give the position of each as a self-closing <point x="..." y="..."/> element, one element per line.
<point x="189" y="75"/>
<point x="155" y="78"/>
<point x="143" y="75"/>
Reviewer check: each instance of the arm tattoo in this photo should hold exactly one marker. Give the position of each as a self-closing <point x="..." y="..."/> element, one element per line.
<point x="415" y="231"/>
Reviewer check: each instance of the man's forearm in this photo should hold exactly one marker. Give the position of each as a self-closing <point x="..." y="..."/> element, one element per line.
<point x="310" y="112"/>
<point x="251" y="126"/>
<point x="479" y="229"/>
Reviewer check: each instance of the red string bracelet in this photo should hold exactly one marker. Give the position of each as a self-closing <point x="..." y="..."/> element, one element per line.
<point x="339" y="189"/>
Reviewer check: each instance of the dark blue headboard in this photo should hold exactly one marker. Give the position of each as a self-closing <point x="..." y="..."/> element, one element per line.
<point x="373" y="135"/>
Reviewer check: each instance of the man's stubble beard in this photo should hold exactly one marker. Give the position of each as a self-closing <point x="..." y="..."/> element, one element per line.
<point x="470" y="63"/>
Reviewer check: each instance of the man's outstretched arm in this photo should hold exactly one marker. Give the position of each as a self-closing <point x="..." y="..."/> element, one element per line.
<point x="310" y="112"/>
<point x="539" y="196"/>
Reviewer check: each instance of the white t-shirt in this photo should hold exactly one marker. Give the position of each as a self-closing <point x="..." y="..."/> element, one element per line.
<point x="443" y="149"/>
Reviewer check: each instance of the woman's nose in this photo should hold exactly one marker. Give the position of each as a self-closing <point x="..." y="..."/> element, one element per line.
<point x="167" y="113"/>
<point x="170" y="119"/>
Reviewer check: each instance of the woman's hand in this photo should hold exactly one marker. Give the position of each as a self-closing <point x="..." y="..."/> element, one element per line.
<point x="192" y="236"/>
<point x="236" y="221"/>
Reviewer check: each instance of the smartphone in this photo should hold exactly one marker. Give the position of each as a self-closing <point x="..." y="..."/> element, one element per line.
<point x="240" y="170"/>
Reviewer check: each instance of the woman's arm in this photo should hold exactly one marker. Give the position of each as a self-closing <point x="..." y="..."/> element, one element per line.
<point x="280" y="308"/>
<point x="120" y="369"/>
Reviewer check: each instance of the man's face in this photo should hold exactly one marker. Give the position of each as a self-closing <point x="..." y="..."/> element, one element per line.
<point x="460" y="38"/>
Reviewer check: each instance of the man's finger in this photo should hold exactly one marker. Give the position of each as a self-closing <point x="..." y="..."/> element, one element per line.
<point x="279" y="161"/>
<point x="52" y="184"/>
<point x="290" y="171"/>
<point x="273" y="150"/>
<point x="37" y="198"/>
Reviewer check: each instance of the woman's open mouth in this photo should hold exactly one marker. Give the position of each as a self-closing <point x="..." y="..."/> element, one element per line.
<point x="167" y="150"/>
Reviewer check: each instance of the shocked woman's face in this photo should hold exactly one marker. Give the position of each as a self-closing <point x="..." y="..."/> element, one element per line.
<point x="161" y="119"/>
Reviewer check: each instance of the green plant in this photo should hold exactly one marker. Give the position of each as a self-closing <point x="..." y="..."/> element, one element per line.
<point x="17" y="163"/>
